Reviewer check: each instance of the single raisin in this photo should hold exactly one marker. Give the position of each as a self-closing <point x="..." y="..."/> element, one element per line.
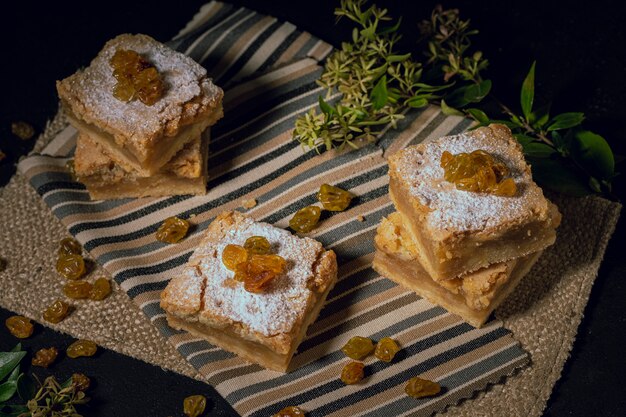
<point x="352" y="373"/>
<point x="259" y="271"/>
<point x="232" y="255"/>
<point x="136" y="78"/>
<point x="172" y="230"/>
<point x="19" y="326"/>
<point x="290" y="411"/>
<point x="45" y="357"/>
<point x="257" y="245"/>
<point x="81" y="382"/>
<point x="100" y="290"/>
<point x="386" y="349"/>
<point x="334" y="198"/>
<point x="81" y="347"/>
<point x="56" y="312"/>
<point x="305" y="219"/>
<point x="77" y="290"/>
<point x="418" y="388"/>
<point x="22" y="130"/>
<point x="69" y="246"/>
<point x="478" y="172"/>
<point x="194" y="405"/>
<point x="274" y="263"/>
<point x="71" y="266"/>
<point x="358" y="347"/>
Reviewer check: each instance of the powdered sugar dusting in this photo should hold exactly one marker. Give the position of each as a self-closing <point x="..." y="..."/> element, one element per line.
<point x="91" y="90"/>
<point x="454" y="209"/>
<point x="277" y="309"/>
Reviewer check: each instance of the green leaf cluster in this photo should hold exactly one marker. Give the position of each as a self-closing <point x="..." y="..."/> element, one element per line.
<point x="369" y="84"/>
<point x="13" y="382"/>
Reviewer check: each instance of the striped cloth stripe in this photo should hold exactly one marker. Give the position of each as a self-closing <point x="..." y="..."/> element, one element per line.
<point x="268" y="69"/>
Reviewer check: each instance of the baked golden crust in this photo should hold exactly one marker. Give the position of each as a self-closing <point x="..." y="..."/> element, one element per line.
<point x="133" y="133"/>
<point x="458" y="231"/>
<point x="277" y="318"/>
<point x="105" y="180"/>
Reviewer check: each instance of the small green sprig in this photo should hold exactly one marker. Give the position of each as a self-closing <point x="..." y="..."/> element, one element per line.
<point x="369" y="84"/>
<point x="54" y="399"/>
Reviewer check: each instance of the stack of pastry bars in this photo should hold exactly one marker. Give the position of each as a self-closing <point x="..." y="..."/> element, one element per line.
<point x="130" y="149"/>
<point x="463" y="250"/>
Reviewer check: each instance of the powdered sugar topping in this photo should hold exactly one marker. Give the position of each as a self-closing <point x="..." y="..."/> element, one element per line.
<point x="453" y="209"/>
<point x="275" y="310"/>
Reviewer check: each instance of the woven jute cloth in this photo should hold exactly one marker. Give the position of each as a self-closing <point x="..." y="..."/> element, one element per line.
<point x="543" y="313"/>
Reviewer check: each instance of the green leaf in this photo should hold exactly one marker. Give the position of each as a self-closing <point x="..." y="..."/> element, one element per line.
<point x="478" y="115"/>
<point x="25" y="387"/>
<point x="556" y="175"/>
<point x="391" y="29"/>
<point x="17" y="348"/>
<point x="476" y="92"/>
<point x="398" y="58"/>
<point x="592" y="151"/>
<point x="594" y="184"/>
<point x="379" y="93"/>
<point x="325" y="107"/>
<point x="8" y="361"/>
<point x="449" y="111"/>
<point x="7" y="390"/>
<point x="528" y="92"/>
<point x="541" y="116"/>
<point x="566" y="121"/>
<point x="417" y="102"/>
<point x="524" y="139"/>
<point x="538" y="149"/>
<point x="13" y="410"/>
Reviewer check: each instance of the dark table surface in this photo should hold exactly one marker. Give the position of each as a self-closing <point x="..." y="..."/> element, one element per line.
<point x="579" y="47"/>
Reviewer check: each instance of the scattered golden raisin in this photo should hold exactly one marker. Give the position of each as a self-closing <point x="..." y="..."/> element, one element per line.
<point x="77" y="290"/>
<point x="386" y="349"/>
<point x="334" y="198"/>
<point x="22" y="130"/>
<point x="194" y="405"/>
<point x="136" y="78"/>
<point x="172" y="230"/>
<point x="477" y="172"/>
<point x="418" y="388"/>
<point x="257" y="245"/>
<point x="81" y="382"/>
<point x="233" y="255"/>
<point x="56" y="312"/>
<point x="19" y="326"/>
<point x="352" y="373"/>
<point x="69" y="246"/>
<point x="71" y="266"/>
<point x="80" y="348"/>
<point x="305" y="219"/>
<point x="290" y="411"/>
<point x="45" y="357"/>
<point x="100" y="290"/>
<point x="358" y="347"/>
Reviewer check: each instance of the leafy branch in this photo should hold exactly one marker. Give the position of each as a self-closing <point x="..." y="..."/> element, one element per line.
<point x="374" y="83"/>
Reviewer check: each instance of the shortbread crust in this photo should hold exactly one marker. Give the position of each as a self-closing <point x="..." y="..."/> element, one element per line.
<point x="206" y="300"/>
<point x="135" y="135"/>
<point x="105" y="180"/>
<point x="460" y="231"/>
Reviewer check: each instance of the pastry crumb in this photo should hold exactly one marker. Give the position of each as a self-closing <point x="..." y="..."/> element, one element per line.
<point x="192" y="215"/>
<point x="248" y="204"/>
<point x="360" y="218"/>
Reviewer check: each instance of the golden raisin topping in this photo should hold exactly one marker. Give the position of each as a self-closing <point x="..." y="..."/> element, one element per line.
<point x="80" y="348"/>
<point x="257" y="245"/>
<point x="56" y="312"/>
<point x="478" y="172"/>
<point x="290" y="411"/>
<point x="334" y="198"/>
<point x="233" y="255"/>
<point x="136" y="78"/>
<point x="19" y="326"/>
<point x="305" y="219"/>
<point x="386" y="349"/>
<point x="45" y="357"/>
<point x="172" y="230"/>
<point x="194" y="405"/>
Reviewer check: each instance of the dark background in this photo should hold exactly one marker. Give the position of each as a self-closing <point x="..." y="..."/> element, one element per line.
<point x="580" y="48"/>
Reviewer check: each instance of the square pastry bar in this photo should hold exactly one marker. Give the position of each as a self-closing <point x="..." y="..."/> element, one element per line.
<point x="263" y="324"/>
<point x="185" y="173"/>
<point x="472" y="296"/>
<point x="141" y="101"/>
<point x="463" y="218"/>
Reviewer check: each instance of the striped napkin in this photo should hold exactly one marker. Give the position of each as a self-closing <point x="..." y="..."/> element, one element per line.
<point x="268" y="70"/>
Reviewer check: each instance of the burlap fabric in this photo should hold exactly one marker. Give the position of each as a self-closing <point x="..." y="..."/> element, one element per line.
<point x="543" y="313"/>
